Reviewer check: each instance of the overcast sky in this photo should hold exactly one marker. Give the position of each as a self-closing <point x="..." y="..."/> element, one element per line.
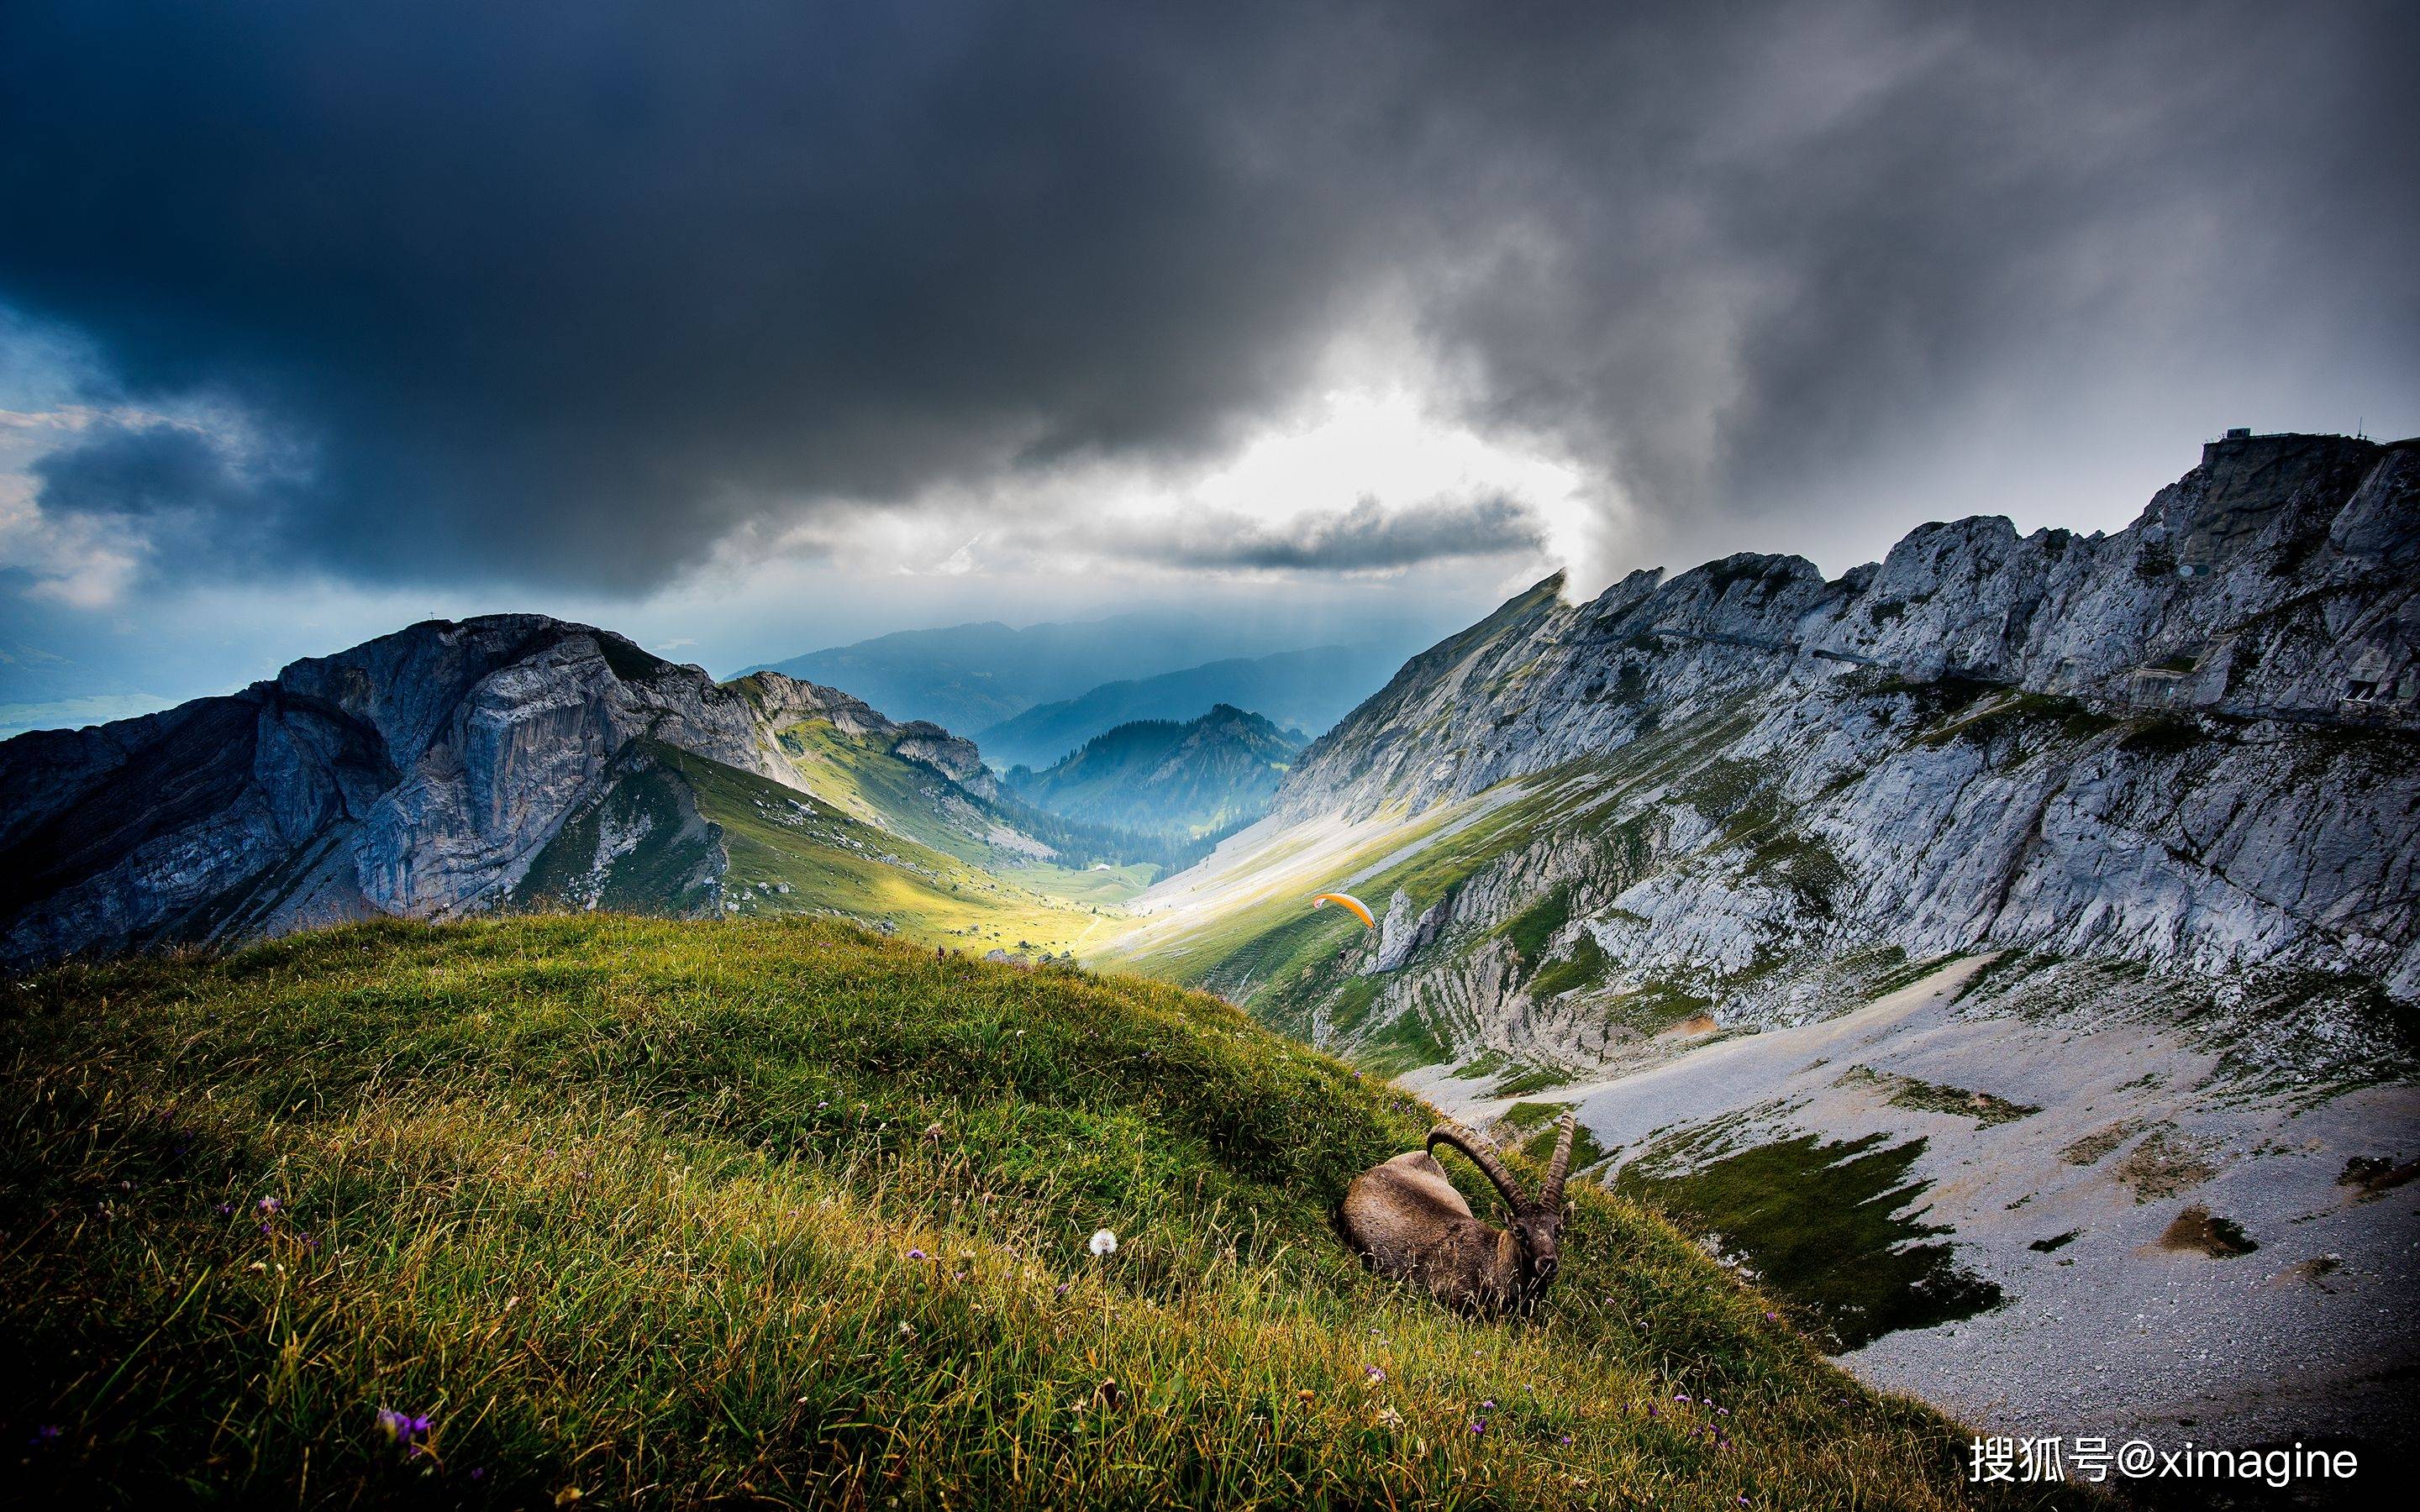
<point x="753" y="328"/>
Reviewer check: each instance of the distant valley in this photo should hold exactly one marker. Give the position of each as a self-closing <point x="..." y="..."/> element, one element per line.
<point x="974" y="678"/>
<point x="1197" y="778"/>
<point x="1307" y="690"/>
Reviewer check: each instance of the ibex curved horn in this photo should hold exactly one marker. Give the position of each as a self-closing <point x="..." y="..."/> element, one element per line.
<point x="1409" y="1221"/>
<point x="1551" y="1195"/>
<point x="1481" y="1156"/>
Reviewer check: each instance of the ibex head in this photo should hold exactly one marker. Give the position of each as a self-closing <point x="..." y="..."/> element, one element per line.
<point x="1536" y="1224"/>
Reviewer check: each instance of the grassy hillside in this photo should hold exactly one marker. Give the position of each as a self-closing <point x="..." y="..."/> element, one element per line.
<point x="863" y="776"/>
<point x="772" y="851"/>
<point x="669" y="1212"/>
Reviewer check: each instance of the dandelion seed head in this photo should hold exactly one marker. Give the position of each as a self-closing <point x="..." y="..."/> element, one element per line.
<point x="1104" y="1242"/>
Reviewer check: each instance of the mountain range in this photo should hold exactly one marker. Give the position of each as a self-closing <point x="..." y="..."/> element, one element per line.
<point x="973" y="676"/>
<point x="1193" y="778"/>
<point x="506" y="763"/>
<point x="2050" y="896"/>
<point x="1307" y="690"/>
<point x="2006" y="951"/>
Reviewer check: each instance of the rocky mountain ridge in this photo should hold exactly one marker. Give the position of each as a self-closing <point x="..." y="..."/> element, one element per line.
<point x="2189" y="743"/>
<point x="416" y="775"/>
<point x="2063" y="892"/>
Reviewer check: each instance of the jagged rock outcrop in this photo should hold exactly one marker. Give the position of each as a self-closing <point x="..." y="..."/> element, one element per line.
<point x="416" y="775"/>
<point x="2079" y="875"/>
<point x="2194" y="744"/>
<point x="2278" y="581"/>
<point x="1403" y="929"/>
<point x="1745" y="797"/>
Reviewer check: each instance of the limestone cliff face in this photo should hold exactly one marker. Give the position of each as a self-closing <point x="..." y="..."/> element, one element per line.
<point x="416" y="775"/>
<point x="2278" y="581"/>
<point x="2192" y="745"/>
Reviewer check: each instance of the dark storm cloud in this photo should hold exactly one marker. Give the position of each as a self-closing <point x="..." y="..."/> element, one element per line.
<point x="1362" y="538"/>
<point x="569" y="291"/>
<point x="190" y="496"/>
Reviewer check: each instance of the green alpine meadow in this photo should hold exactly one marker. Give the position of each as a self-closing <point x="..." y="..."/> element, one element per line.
<point x="644" y="1212"/>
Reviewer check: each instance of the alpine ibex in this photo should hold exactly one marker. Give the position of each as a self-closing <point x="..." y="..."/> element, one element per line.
<point x="1409" y="1222"/>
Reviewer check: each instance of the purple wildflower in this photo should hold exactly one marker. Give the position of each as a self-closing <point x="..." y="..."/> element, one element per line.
<point x="479" y="1472"/>
<point x="915" y="1255"/>
<point x="403" y="1430"/>
<point x="270" y="1204"/>
<point x="1679" y="1396"/>
<point x="226" y="1208"/>
<point x="1567" y="1439"/>
<point x="46" y="1435"/>
<point x="1487" y="1406"/>
<point x="1479" y="1425"/>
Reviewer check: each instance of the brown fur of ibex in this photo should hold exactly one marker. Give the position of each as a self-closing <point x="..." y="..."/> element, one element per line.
<point x="1409" y="1221"/>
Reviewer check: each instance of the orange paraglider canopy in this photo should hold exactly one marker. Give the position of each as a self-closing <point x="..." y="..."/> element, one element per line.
<point x="1349" y="903"/>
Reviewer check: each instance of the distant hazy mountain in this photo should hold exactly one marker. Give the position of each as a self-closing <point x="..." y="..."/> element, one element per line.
<point x="970" y="676"/>
<point x="1161" y="776"/>
<point x="1307" y="690"/>
<point x="42" y="691"/>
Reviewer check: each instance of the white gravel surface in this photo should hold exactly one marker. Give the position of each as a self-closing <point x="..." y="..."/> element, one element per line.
<point x="2311" y="1336"/>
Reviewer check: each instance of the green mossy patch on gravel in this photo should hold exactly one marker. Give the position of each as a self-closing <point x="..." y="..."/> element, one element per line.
<point x="1823" y="1223"/>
